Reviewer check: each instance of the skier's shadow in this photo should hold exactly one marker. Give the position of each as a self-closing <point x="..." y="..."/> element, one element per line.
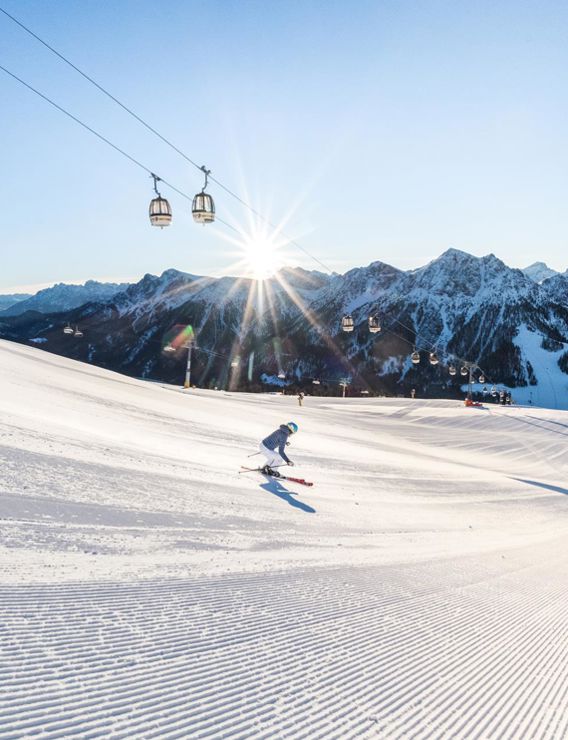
<point x="274" y="486"/>
<point x="546" y="486"/>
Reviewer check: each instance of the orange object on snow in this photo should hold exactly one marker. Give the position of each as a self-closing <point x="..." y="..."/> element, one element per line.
<point x="469" y="402"/>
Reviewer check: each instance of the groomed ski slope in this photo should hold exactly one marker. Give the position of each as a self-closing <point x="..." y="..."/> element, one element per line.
<point x="147" y="590"/>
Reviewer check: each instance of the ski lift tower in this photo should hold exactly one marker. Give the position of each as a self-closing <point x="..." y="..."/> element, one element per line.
<point x="181" y="337"/>
<point x="187" y="381"/>
<point x="468" y="369"/>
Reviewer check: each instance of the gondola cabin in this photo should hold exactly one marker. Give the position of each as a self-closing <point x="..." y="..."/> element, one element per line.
<point x="347" y="323"/>
<point x="203" y="208"/>
<point x="374" y="324"/>
<point x="160" y="212"/>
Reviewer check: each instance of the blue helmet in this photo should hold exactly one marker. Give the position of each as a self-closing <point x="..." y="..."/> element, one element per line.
<point x="292" y="427"/>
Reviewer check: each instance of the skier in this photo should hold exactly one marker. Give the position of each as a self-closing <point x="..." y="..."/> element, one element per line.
<point x="300" y="398"/>
<point x="272" y="447"/>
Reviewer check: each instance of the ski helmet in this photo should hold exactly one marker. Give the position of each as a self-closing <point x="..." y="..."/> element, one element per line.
<point x="292" y="427"/>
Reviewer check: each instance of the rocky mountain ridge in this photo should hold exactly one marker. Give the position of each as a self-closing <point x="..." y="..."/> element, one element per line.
<point x="63" y="297"/>
<point x="11" y="299"/>
<point x="466" y="308"/>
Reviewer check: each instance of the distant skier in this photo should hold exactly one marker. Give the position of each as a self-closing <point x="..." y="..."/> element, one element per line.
<point x="272" y="447"/>
<point x="300" y="398"/>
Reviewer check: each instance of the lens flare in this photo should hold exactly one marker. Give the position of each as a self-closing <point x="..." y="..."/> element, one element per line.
<point x="261" y="255"/>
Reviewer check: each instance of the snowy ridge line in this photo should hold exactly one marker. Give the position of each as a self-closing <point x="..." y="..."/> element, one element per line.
<point x="362" y="655"/>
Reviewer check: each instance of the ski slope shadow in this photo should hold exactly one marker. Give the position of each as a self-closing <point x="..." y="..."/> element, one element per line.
<point x="550" y="421"/>
<point x="275" y="487"/>
<point x="540" y="426"/>
<point x="547" y="486"/>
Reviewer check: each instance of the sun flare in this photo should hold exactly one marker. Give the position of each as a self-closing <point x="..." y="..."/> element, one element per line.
<point x="261" y="256"/>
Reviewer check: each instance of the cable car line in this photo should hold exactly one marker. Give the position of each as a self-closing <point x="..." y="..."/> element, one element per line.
<point x="98" y="86"/>
<point x="105" y="140"/>
<point x="166" y="141"/>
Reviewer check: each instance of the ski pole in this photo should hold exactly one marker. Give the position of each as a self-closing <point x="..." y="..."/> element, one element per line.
<point x="253" y="454"/>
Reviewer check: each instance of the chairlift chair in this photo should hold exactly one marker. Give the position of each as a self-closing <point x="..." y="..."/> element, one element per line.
<point x="464" y="371"/>
<point x="433" y="358"/>
<point x="77" y="332"/>
<point x="452" y="369"/>
<point x="482" y="378"/>
<point x="415" y="357"/>
<point x="68" y="329"/>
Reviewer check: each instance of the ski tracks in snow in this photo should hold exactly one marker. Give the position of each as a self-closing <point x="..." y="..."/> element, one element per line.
<point x="470" y="648"/>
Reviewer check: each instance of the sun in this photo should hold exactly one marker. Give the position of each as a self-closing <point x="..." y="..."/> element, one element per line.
<point x="259" y="250"/>
<point x="261" y="255"/>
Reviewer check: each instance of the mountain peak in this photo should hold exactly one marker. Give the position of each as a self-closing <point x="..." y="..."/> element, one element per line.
<point x="454" y="253"/>
<point x="539" y="271"/>
<point x="448" y="261"/>
<point x="172" y="274"/>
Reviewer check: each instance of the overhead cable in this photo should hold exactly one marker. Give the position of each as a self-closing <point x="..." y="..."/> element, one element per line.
<point x="104" y="139"/>
<point x="165" y="140"/>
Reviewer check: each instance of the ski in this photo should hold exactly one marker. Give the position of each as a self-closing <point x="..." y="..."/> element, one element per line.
<point x="301" y="481"/>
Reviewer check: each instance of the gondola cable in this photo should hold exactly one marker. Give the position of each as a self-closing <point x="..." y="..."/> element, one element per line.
<point x="105" y="140"/>
<point x="165" y="141"/>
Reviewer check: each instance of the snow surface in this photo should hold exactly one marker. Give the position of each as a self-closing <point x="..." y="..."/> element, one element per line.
<point x="148" y="590"/>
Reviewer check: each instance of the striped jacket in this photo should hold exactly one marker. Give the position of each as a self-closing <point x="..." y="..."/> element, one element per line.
<point x="278" y="440"/>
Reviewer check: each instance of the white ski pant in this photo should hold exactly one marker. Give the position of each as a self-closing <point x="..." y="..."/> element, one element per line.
<point x="273" y="459"/>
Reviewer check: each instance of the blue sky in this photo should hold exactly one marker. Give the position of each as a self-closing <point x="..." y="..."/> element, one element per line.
<point x="385" y="130"/>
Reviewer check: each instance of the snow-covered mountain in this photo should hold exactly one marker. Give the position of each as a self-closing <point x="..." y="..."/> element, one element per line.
<point x="556" y="288"/>
<point x="539" y="271"/>
<point x="10" y="299"/>
<point x="64" y="297"/>
<point x="467" y="308"/>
